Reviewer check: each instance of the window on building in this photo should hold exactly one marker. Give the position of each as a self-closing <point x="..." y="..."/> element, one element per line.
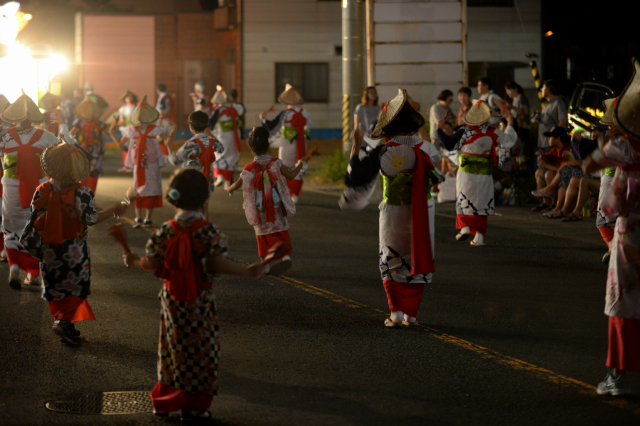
<point x="310" y="78"/>
<point x="490" y="3"/>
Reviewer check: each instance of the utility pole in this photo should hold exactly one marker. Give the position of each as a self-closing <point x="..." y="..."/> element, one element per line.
<point x="352" y="64"/>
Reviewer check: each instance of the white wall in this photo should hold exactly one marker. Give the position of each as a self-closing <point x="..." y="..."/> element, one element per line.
<point x="495" y="34"/>
<point x="290" y="31"/>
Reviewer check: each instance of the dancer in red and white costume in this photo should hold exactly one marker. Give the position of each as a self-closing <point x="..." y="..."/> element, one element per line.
<point x="477" y="143"/>
<point x="21" y="148"/>
<point x="289" y="132"/>
<point x="225" y="124"/>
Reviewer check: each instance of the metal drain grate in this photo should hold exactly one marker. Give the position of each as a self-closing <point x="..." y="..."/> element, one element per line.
<point x="104" y="403"/>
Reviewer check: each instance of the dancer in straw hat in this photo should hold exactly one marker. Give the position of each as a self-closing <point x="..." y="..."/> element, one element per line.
<point x="406" y="221"/>
<point x="477" y="142"/>
<point x="50" y="103"/>
<point x="225" y="123"/>
<point x="622" y="151"/>
<point x="289" y="132"/>
<point x="145" y="158"/>
<point x="56" y="234"/>
<point x="21" y="146"/>
<point x="90" y="133"/>
<point x="4" y="103"/>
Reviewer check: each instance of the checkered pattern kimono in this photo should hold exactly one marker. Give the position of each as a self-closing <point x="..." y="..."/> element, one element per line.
<point x="188" y="350"/>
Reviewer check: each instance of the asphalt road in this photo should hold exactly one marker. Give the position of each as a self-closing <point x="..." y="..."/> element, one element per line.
<point x="513" y="333"/>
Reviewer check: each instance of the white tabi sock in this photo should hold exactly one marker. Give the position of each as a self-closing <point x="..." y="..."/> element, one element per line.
<point x="465" y="230"/>
<point x="479" y="239"/>
<point x="396" y="316"/>
<point x="407" y="318"/>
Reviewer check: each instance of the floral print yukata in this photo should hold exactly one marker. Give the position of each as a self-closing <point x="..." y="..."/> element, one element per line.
<point x="66" y="267"/>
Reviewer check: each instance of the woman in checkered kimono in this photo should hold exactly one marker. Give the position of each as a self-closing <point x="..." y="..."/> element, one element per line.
<point x="187" y="253"/>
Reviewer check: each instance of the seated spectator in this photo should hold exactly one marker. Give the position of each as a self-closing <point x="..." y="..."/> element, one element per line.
<point x="569" y="169"/>
<point x="577" y="194"/>
<point x="439" y="110"/>
<point x="547" y="181"/>
<point x="464" y="97"/>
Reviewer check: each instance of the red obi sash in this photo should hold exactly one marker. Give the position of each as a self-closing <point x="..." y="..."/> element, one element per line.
<point x="421" y="252"/>
<point x="28" y="169"/>
<point x="298" y="122"/>
<point x="182" y="276"/>
<point x="57" y="225"/>
<point x="91" y="133"/>
<point x="265" y="184"/>
<point x="206" y="157"/>
<point x="141" y="179"/>
<point x="491" y="132"/>
<point x="230" y="111"/>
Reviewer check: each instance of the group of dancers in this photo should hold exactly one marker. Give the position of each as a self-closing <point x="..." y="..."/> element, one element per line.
<point x="406" y="242"/>
<point x="48" y="205"/>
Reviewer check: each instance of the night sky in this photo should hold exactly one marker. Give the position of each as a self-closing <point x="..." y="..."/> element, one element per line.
<point x="600" y="42"/>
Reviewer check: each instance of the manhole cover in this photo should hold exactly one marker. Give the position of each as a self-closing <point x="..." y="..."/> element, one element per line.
<point x="104" y="403"/>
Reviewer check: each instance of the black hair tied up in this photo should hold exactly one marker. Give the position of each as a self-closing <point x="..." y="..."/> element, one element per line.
<point x="188" y="189"/>
<point x="199" y="120"/>
<point x="259" y="140"/>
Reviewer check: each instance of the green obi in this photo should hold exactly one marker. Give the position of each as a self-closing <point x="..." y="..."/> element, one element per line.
<point x="290" y="133"/>
<point x="610" y="171"/>
<point x="476" y="165"/>
<point x="9" y="163"/>
<point x="227" y="126"/>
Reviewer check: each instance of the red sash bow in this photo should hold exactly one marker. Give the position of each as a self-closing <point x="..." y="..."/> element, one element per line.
<point x="183" y="273"/>
<point x="490" y="133"/>
<point x="267" y="190"/>
<point x="57" y="225"/>
<point x="298" y="122"/>
<point x="90" y="138"/>
<point x="141" y="179"/>
<point x="233" y="113"/>
<point x="28" y="170"/>
<point x="206" y="157"/>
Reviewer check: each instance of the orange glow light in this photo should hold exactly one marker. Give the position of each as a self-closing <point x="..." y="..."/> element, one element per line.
<point x="548" y="33"/>
<point x="23" y="19"/>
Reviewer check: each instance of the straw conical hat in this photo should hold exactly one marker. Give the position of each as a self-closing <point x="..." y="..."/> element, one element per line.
<point x="129" y="93"/>
<point x="144" y="114"/>
<point x="290" y="96"/>
<point x="49" y="101"/>
<point x="626" y="108"/>
<point x="22" y="109"/>
<point x="88" y="110"/>
<point x="4" y="103"/>
<point x="394" y="108"/>
<point x="480" y="113"/>
<point x="607" y="118"/>
<point x="220" y="97"/>
<point x="65" y="163"/>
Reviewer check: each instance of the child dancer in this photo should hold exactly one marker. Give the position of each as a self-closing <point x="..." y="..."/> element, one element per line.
<point x="188" y="253"/>
<point x="267" y="202"/>
<point x="21" y="146"/>
<point x="199" y="152"/>
<point x="405" y="226"/>
<point x="89" y="132"/>
<point x="225" y="123"/>
<point x="123" y="119"/>
<point x="290" y="131"/>
<point x="56" y="234"/>
<point x="145" y="158"/>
